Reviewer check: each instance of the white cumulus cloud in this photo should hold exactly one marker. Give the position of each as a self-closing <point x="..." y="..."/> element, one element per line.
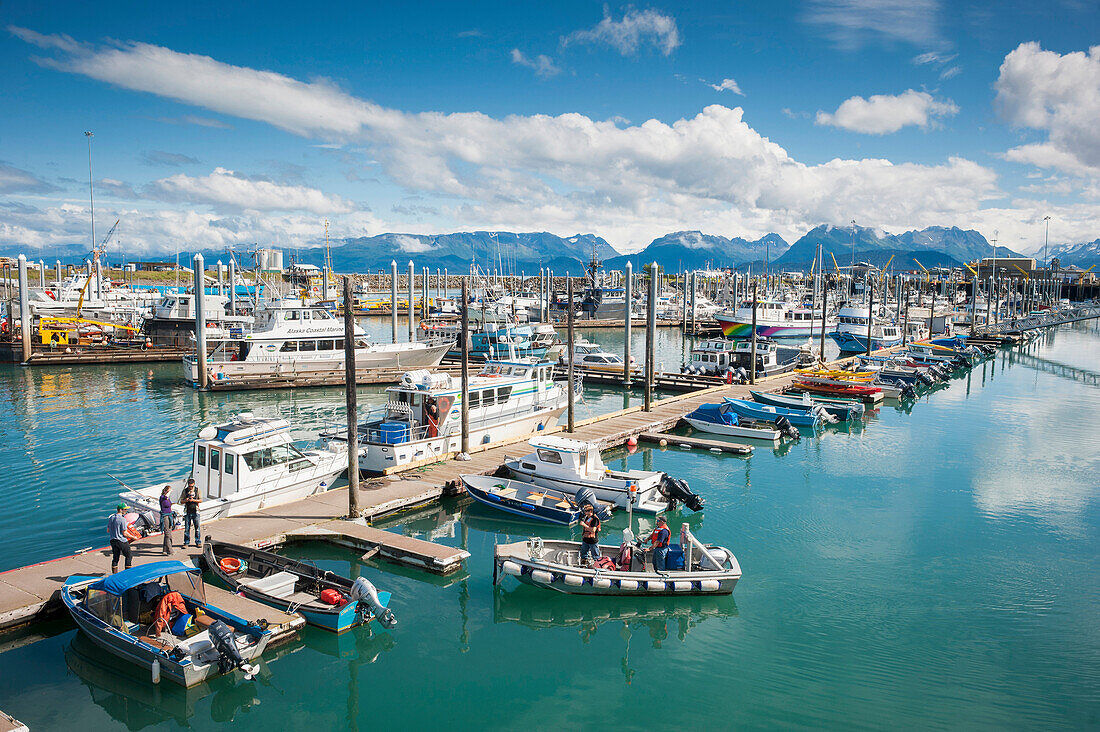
<point x="628" y="182"/>
<point x="1058" y="94"/>
<point x="542" y="65"/>
<point x="882" y="114"/>
<point x="637" y="28"/>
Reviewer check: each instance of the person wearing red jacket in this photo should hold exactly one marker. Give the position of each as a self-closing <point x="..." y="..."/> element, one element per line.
<point x="660" y="539"/>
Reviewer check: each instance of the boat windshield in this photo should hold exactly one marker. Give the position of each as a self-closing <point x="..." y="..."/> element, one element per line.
<point x="269" y="457"/>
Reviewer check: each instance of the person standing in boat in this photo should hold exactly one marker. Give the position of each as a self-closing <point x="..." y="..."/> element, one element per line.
<point x="431" y="411"/>
<point x="660" y="539"/>
<point x="120" y="546"/>
<point x="590" y="533"/>
<point x="191" y="500"/>
<point x="166" y="519"/>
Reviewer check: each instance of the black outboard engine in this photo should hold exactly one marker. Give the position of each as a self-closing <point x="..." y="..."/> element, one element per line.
<point x="927" y="379"/>
<point x="675" y="490"/>
<point x="588" y="496"/>
<point x="787" y="428"/>
<point x="741" y="375"/>
<point x="908" y="392"/>
<point x="221" y="635"/>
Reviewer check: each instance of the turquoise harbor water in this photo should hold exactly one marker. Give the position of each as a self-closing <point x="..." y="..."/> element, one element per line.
<point x="935" y="567"/>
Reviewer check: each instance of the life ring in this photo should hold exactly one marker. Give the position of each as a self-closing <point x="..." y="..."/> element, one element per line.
<point x="230" y="564"/>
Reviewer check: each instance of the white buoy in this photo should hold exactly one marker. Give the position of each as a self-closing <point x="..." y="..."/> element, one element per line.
<point x="628" y="584"/>
<point x="681" y="586"/>
<point x="716" y="449"/>
<point x="710" y="585"/>
<point x="511" y="568"/>
<point x="655" y="586"/>
<point x="601" y="583"/>
<point x="663" y="442"/>
<point x="573" y="580"/>
<point x="542" y="576"/>
<point x="156" y="670"/>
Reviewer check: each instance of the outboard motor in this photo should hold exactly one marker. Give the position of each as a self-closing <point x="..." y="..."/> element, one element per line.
<point x="677" y="490"/>
<point x="908" y="392"/>
<point x="741" y="375"/>
<point x="927" y="379"/>
<point x="221" y="635"/>
<point x="588" y="496"/>
<point x="363" y="591"/>
<point x="787" y="428"/>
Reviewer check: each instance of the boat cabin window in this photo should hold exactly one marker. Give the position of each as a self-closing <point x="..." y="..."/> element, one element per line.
<point x="271" y="456"/>
<point x="215" y="459"/>
<point x="307" y="346"/>
<point x="549" y="456"/>
<point x="360" y="343"/>
<point x="325" y="345"/>
<point x="200" y="456"/>
<point x="290" y="315"/>
<point x="475" y="399"/>
<point x="321" y="315"/>
<point x="305" y="315"/>
<point x="188" y="584"/>
<point x="517" y="371"/>
<point x="105" y="606"/>
<point x="289" y="347"/>
<point x="229" y="463"/>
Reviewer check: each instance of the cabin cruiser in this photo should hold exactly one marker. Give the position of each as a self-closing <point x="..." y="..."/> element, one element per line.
<point x="423" y="416"/>
<point x="502" y="340"/>
<point x="851" y="331"/>
<point x="200" y="644"/>
<point x="771" y="358"/>
<point x="290" y="340"/>
<point x="245" y="465"/>
<point x="774" y="319"/>
<point x="172" y="321"/>
<point x="590" y="356"/>
<point x="570" y="466"/>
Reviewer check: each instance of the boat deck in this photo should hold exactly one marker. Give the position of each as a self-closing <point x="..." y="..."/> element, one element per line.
<point x="9" y="723"/>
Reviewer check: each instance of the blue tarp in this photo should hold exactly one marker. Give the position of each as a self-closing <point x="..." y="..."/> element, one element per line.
<point x="714" y="413"/>
<point x="116" y="584"/>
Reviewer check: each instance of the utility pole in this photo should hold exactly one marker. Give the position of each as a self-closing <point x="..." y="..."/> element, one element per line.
<point x="571" y="339"/>
<point x="412" y="309"/>
<point x="393" y="299"/>
<point x="752" y="355"/>
<point x="464" y="345"/>
<point x="626" y="346"/>
<point x="650" y="334"/>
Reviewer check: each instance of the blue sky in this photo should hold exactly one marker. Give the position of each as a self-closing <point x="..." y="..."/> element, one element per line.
<point x="225" y="124"/>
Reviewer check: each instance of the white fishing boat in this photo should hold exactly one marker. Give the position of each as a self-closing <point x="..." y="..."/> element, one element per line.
<point x="774" y="319"/>
<point x="172" y="320"/>
<point x="291" y="341"/>
<point x="692" y="568"/>
<point x="590" y="356"/>
<point x="850" y="333"/>
<point x="245" y="465"/>
<point x="568" y="465"/>
<point x="423" y="416"/>
<point x="722" y="419"/>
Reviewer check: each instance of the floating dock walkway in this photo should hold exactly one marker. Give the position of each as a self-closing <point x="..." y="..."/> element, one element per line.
<point x="682" y="441"/>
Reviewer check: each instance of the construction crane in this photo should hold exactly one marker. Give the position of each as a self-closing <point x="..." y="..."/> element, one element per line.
<point x="1081" y="279"/>
<point x="882" y="277"/>
<point x="95" y="268"/>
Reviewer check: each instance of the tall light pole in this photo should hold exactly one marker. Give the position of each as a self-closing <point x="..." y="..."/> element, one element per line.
<point x="91" y="198"/>
<point x="993" y="275"/>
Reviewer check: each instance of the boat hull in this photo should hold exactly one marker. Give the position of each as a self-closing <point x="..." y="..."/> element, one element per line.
<point x="733" y="430"/>
<point x="733" y="328"/>
<point x="511" y="560"/>
<point x="477" y="487"/>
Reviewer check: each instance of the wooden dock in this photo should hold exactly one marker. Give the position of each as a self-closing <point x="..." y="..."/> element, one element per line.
<point x="712" y="445"/>
<point x="334" y="377"/>
<point x="9" y="723"/>
<point x="10" y="352"/>
<point x="406" y="550"/>
<point x="666" y="380"/>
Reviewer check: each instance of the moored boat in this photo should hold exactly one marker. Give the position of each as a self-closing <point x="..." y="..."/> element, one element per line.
<point x="812" y="417"/>
<point x="844" y="411"/>
<point x="531" y="501"/>
<point x="571" y="466"/>
<point x="324" y="599"/>
<point x="720" y="419"/>
<point x="692" y="568"/>
<point x="112" y="611"/>
<point x="247" y="464"/>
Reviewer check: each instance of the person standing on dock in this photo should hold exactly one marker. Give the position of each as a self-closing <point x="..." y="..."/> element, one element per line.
<point x="590" y="532"/>
<point x="116" y="527"/>
<point x="660" y="539"/>
<point x="191" y="500"/>
<point x="166" y="519"/>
